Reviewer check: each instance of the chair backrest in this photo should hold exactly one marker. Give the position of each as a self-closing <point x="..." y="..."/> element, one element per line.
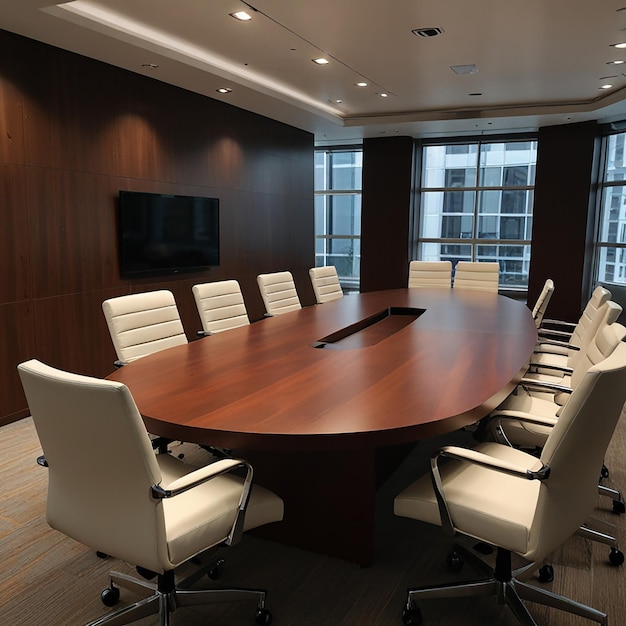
<point x="574" y="451"/>
<point x="480" y="276"/>
<point x="591" y="317"/>
<point x="220" y="306"/>
<point x="609" y="334"/>
<point x="430" y="274"/>
<point x="101" y="465"/>
<point x="143" y="323"/>
<point x="325" y="284"/>
<point x="543" y="300"/>
<point x="279" y="294"/>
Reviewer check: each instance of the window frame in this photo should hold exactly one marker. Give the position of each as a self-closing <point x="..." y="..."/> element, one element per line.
<point x="478" y="189"/>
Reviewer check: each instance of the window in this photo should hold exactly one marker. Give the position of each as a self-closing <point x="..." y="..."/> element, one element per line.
<point x="476" y="204"/>
<point x="611" y="238"/>
<point x="338" y="212"/>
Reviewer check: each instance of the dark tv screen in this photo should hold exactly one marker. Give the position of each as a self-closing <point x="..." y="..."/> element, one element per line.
<point x="162" y="234"/>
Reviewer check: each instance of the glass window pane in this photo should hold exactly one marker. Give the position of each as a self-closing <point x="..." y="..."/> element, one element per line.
<point x="615" y="161"/>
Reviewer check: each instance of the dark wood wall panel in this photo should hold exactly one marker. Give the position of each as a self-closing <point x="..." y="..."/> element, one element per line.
<point x="386" y="210"/>
<point x="73" y="133"/>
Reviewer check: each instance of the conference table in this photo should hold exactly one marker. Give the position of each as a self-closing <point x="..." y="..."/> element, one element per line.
<point x="316" y="398"/>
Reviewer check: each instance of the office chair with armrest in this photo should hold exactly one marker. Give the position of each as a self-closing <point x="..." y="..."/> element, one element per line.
<point x="279" y="294"/>
<point x="430" y="274"/>
<point x="478" y="276"/>
<point x="141" y="324"/>
<point x="558" y="368"/>
<point x="109" y="491"/>
<point x="325" y="284"/>
<point x="220" y="306"/>
<point x="571" y="333"/>
<point x="520" y="503"/>
<point x="539" y="310"/>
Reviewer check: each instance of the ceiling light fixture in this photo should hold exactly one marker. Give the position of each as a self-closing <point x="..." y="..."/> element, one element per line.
<point x="619" y="45"/>
<point x="383" y="95"/>
<point x="150" y="66"/>
<point x="432" y="31"/>
<point x="223" y="90"/>
<point x="320" y="61"/>
<point x="361" y="84"/>
<point x="242" y="16"/>
<point x="465" y="69"/>
<point x="615" y="62"/>
<point x="605" y="86"/>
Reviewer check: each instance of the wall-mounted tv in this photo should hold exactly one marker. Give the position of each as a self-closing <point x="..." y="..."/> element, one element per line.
<point x="166" y="234"/>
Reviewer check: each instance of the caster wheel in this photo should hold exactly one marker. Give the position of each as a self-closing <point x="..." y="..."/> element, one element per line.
<point x="546" y="574"/>
<point x="215" y="573"/>
<point x="454" y="561"/>
<point x="263" y="617"/>
<point x="616" y="557"/>
<point x="110" y="596"/>
<point x="412" y="616"/>
<point x="604" y="472"/>
<point x="619" y="507"/>
<point x="102" y="555"/>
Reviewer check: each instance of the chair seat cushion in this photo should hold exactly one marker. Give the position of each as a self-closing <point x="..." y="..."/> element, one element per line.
<point x="486" y="504"/>
<point x="203" y="516"/>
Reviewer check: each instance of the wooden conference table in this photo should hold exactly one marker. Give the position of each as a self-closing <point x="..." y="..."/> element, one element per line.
<point x="312" y="397"/>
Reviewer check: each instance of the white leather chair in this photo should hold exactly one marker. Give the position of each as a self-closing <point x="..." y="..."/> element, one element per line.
<point x="520" y="503"/>
<point x="325" y="284"/>
<point x="478" y="276"/>
<point x="143" y="323"/>
<point x="220" y="306"/>
<point x="561" y="338"/>
<point x="539" y="310"/>
<point x="279" y="294"/>
<point x="109" y="491"/>
<point x="430" y="274"/>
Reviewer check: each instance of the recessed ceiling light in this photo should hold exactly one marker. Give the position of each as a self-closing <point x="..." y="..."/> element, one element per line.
<point x="338" y="101"/>
<point x="383" y="95"/>
<point x="223" y="90"/>
<point x="320" y="61"/>
<point x="605" y="86"/>
<point x="465" y="69"/>
<point x="615" y="62"/>
<point x="242" y="16"/>
<point x="619" y="45"/>
<point x="361" y="84"/>
<point x="151" y="66"/>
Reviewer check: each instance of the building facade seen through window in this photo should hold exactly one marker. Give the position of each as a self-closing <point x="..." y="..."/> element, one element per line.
<point x="476" y="204"/>
<point x="611" y="238"/>
<point x="338" y="212"/>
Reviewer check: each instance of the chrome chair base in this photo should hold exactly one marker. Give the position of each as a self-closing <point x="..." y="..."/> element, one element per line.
<point x="165" y="597"/>
<point x="506" y="588"/>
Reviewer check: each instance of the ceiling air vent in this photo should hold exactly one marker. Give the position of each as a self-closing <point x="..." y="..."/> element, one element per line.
<point x="427" y="32"/>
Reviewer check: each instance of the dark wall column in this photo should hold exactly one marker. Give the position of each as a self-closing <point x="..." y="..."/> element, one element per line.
<point x="566" y="162"/>
<point x="386" y="208"/>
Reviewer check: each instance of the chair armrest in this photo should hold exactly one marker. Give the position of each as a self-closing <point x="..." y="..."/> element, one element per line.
<point x="554" y="342"/>
<point x="209" y="472"/>
<point x="477" y="458"/>
<point x="543" y="385"/>
<point x="518" y="416"/>
<point x="554" y="322"/>
<point x="547" y="366"/>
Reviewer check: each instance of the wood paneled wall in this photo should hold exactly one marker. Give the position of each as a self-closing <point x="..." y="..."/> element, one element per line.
<point x="73" y="132"/>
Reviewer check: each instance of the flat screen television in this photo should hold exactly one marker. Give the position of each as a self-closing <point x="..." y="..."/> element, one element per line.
<point x="166" y="234"/>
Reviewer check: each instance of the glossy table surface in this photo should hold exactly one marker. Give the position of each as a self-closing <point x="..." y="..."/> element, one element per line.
<point x="396" y="366"/>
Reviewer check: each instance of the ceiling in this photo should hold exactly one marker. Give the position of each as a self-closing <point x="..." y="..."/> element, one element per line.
<point x="532" y="63"/>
